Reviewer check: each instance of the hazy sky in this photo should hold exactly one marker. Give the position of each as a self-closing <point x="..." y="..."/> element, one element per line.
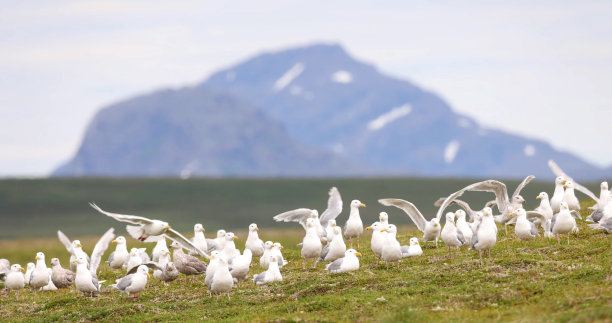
<point x="539" y="68"/>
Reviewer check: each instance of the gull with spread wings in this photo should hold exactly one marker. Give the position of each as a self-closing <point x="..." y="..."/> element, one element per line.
<point x="148" y="230"/>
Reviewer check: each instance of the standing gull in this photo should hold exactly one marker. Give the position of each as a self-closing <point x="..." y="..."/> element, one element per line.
<point x="264" y="260"/>
<point x="563" y="222"/>
<point x="187" y="264"/>
<point x="229" y="249"/>
<point x="329" y="230"/>
<point x="14" y="279"/>
<point x="391" y="251"/>
<point x="85" y="280"/>
<point x="311" y="244"/>
<point x="485" y="236"/>
<point x="222" y="281"/>
<point x="354" y="226"/>
<point x="604" y="199"/>
<point x="378" y="239"/>
<point x="450" y="235"/>
<point x="133" y="283"/>
<point x="276" y="251"/>
<point x="217" y="243"/>
<point x="76" y="249"/>
<point x="161" y="246"/>
<point x="239" y="265"/>
<point x="253" y="242"/>
<point x="525" y="229"/>
<point x="215" y="258"/>
<point x="198" y="237"/>
<point x="557" y="198"/>
<point x="61" y="277"/>
<point x="463" y="227"/>
<point x="40" y="274"/>
<point x="335" y="248"/>
<point x="120" y="256"/>
<point x="570" y="197"/>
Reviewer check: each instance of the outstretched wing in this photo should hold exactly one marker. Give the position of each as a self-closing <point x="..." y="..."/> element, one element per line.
<point x="150" y="264"/>
<point x="186" y="243"/>
<point x="576" y="214"/>
<point x="297" y="215"/>
<point x="123" y="217"/>
<point x="409" y="208"/>
<point x="462" y="204"/>
<point x="519" y="188"/>
<point x="65" y="241"/>
<point x="479" y="186"/>
<point x="334" y="207"/>
<point x="559" y="172"/>
<point x="99" y="249"/>
<point x="537" y="215"/>
<point x="496" y="187"/>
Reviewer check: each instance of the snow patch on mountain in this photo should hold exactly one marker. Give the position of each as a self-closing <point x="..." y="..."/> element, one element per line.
<point x="451" y="150"/>
<point x="342" y="76"/>
<point x="387" y="117"/>
<point x="288" y="77"/>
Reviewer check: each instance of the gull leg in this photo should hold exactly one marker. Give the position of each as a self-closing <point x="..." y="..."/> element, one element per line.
<point x="558" y="240"/>
<point x="398" y="264"/>
<point x="315" y="263"/>
<point x="387" y="264"/>
<point x="489" y="252"/>
<point x="304" y="264"/>
<point x="357" y="241"/>
<point x="480" y="255"/>
<point x="228" y="296"/>
<point x="568" y="237"/>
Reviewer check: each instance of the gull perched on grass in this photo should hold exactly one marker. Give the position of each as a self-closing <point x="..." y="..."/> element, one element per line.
<point x="605" y="222"/>
<point x="133" y="283"/>
<point x="564" y="222"/>
<point x="450" y="235"/>
<point x="353" y="227"/>
<point x="272" y="274"/>
<point x="239" y="265"/>
<point x="222" y="280"/>
<point x="215" y="258"/>
<point x="413" y="249"/>
<point x="163" y="269"/>
<point x="485" y="236"/>
<point x="335" y="248"/>
<point x="146" y="228"/>
<point x="604" y="200"/>
<point x="525" y="229"/>
<point x="217" y="243"/>
<point x="187" y="264"/>
<point x="198" y="237"/>
<point x="61" y="277"/>
<point x="229" y="249"/>
<point x="40" y="274"/>
<point x="85" y="280"/>
<point x="264" y="260"/>
<point x="14" y="279"/>
<point x="349" y="262"/>
<point x="311" y="244"/>
<point x="329" y="230"/>
<point x="391" y="250"/>
<point x="463" y="226"/>
<point x="334" y="208"/>
<point x="118" y="258"/>
<point x="253" y="242"/>
<point x="378" y="239"/>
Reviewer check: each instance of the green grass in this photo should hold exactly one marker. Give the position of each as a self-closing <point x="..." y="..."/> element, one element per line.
<point x="535" y="281"/>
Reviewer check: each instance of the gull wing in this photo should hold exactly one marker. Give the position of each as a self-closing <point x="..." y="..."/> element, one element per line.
<point x="559" y="172"/>
<point x="186" y="243"/>
<point x="537" y="215"/>
<point x="122" y="217"/>
<point x="297" y="215"/>
<point x="409" y="208"/>
<point x="100" y="248"/>
<point x="485" y="185"/>
<point x="496" y="187"/>
<point x="462" y="204"/>
<point x="576" y="214"/>
<point x="522" y="185"/>
<point x="66" y="242"/>
<point x="334" y="207"/>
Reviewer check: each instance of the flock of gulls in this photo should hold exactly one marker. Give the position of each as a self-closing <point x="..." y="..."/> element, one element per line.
<point x="324" y="240"/>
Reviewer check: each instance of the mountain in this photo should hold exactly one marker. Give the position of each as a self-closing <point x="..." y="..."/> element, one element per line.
<point x="307" y="111"/>
<point x="193" y="131"/>
<point x="328" y="99"/>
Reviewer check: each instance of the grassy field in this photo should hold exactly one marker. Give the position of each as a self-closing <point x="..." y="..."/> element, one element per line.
<point x="31" y="208"/>
<point x="536" y="281"/>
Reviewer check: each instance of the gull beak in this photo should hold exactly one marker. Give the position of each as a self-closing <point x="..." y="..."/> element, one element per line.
<point x="453" y="222"/>
<point x="22" y="269"/>
<point x="358" y="254"/>
<point x="564" y="186"/>
<point x="203" y="230"/>
<point x="79" y="245"/>
<point x="538" y="197"/>
<point x="114" y="241"/>
<point x="369" y="228"/>
<point x="564" y="181"/>
<point x="37" y="258"/>
<point x="256" y="229"/>
<point x="383" y="230"/>
<point x="281" y="247"/>
<point x="235" y="238"/>
<point x="148" y="276"/>
<point x="362" y="205"/>
<point x="168" y="252"/>
<point x="74" y="261"/>
<point x="168" y="227"/>
<point x="485" y="213"/>
<point x="333" y="225"/>
<point x="512" y="214"/>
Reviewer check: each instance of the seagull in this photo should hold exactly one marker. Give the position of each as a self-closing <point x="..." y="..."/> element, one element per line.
<point x="485" y="236"/>
<point x="135" y="259"/>
<point x="391" y="251"/>
<point x="239" y="265"/>
<point x="14" y="279"/>
<point x="272" y="274"/>
<point x="334" y="208"/>
<point x="28" y="274"/>
<point x="50" y="285"/>
<point x="218" y="243"/>
<point x="560" y="173"/>
<point x="329" y="230"/>
<point x="353" y="227"/>
<point x="61" y="277"/>
<point x="412" y="250"/>
<point x="161" y="246"/>
<point x="40" y="274"/>
<point x="563" y="222"/>
<point x="120" y="256"/>
<point x="463" y="227"/>
<point x="164" y="269"/>
<point x="146" y="228"/>
<point x="311" y="244"/>
<point x="215" y="258"/>
<point x="557" y="198"/>
<point x="5" y="268"/>
<point x="544" y="208"/>
<point x="349" y="262"/>
<point x="378" y="239"/>
<point x="75" y="249"/>
<point x="525" y="229"/>
<point x="450" y="235"/>
<point x="253" y="242"/>
<point x="335" y="248"/>
<point x="198" y="237"/>
<point x="276" y="251"/>
<point x="570" y="197"/>
<point x="133" y="283"/>
<point x="187" y="264"/>
<point x="383" y="218"/>
<point x="604" y="199"/>
<point x="229" y="249"/>
<point x="222" y="280"/>
<point x="431" y="229"/>
<point x="85" y="280"/>
<point x="264" y="260"/>
<point x="605" y="222"/>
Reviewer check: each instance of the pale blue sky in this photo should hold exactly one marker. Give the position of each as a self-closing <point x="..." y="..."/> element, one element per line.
<point x="539" y="68"/>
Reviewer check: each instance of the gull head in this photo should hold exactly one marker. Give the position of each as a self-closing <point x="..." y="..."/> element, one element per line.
<point x="221" y="233"/>
<point x="542" y="196"/>
<point x="214" y="254"/>
<point x="119" y="241"/>
<point x="568" y="184"/>
<point x="435" y="222"/>
<point x="383" y="217"/>
<point x="134" y="252"/>
<point x="337" y="231"/>
<point x="357" y="204"/>
<point x="268" y="244"/>
<point x="564" y="205"/>
<point x="40" y="256"/>
<point x="604" y="186"/>
<point x="273" y="259"/>
<point x="310" y="222"/>
<point x="376" y="226"/>
<point x="559" y="180"/>
<point x="314" y="214"/>
<point x="450" y="217"/>
<point x="143" y="270"/>
<point x="518" y="199"/>
<point x="460" y="214"/>
<point x="392" y="229"/>
<point x="76" y="244"/>
<point x="16" y="268"/>
<point x="253" y="227"/>
<point x="414" y="241"/>
<point x="331" y="223"/>
<point x="230" y="236"/>
<point x="80" y="260"/>
<point x="174" y="245"/>
<point x="487" y="211"/>
<point x="352" y="252"/>
<point x="55" y="262"/>
<point x="278" y="246"/>
<point x="198" y="227"/>
<point x="30" y="266"/>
